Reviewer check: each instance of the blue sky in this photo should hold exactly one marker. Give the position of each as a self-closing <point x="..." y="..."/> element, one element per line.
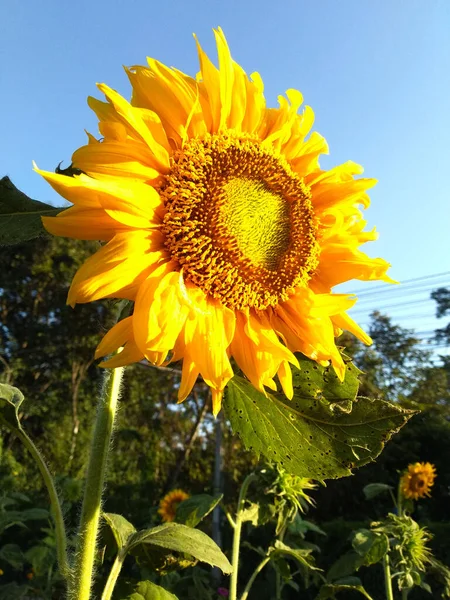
<point x="375" y="73"/>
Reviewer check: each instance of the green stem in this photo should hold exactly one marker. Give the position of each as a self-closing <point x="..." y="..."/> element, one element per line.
<point x="113" y="575"/>
<point x="255" y="573"/>
<point x="80" y="588"/>
<point x="405" y="593"/>
<point x="237" y="536"/>
<point x="399" y="501"/>
<point x="278" y="586"/>
<point x="60" y="532"/>
<point x="387" y="578"/>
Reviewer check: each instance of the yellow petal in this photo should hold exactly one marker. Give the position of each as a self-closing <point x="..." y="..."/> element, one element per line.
<point x="134" y="119"/>
<point x="160" y="312"/>
<point x="124" y="262"/>
<point x="129" y="159"/>
<point x="83" y="224"/>
<point x="116" y="337"/>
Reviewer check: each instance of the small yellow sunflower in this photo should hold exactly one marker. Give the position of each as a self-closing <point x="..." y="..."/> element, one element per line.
<point x="219" y="224"/>
<point x="168" y="505"/>
<point x="417" y="481"/>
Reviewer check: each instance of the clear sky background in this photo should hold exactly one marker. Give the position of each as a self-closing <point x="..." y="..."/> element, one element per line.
<point x="376" y="73"/>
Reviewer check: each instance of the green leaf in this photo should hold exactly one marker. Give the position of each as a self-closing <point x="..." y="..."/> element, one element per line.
<point x="12" y="554"/>
<point x="193" y="510"/>
<point x="370" y="546"/>
<point x="375" y="489"/>
<point x="146" y="590"/>
<point x="10" y="400"/>
<point x="13" y="591"/>
<point x="20" y="216"/>
<point x="323" y="432"/>
<point x="301" y="526"/>
<point x="250" y="513"/>
<point x="121" y="528"/>
<point x="301" y="555"/>
<point x="344" y="566"/>
<point x="179" y="538"/>
<point x="19" y="517"/>
<point x="329" y="591"/>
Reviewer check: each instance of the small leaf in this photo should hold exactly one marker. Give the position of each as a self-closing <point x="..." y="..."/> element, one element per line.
<point x="309" y="435"/>
<point x="146" y="590"/>
<point x="12" y="554"/>
<point x="375" y="489"/>
<point x="301" y="526"/>
<point x="370" y="546"/>
<point x="20" y="216"/>
<point x="193" y="510"/>
<point x="10" y="400"/>
<point x="13" y="591"/>
<point x="344" y="566"/>
<point x="250" y="513"/>
<point x="301" y="555"/>
<point x="179" y="538"/>
<point x="121" y="528"/>
<point x="329" y="591"/>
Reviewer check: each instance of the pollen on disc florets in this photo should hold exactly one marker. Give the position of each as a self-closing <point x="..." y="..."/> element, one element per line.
<point x="239" y="221"/>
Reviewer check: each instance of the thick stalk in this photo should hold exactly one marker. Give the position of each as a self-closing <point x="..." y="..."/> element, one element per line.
<point x="113" y="575"/>
<point x="237" y="536"/>
<point x="255" y="573"/>
<point x="60" y="532"/>
<point x="81" y="583"/>
<point x="387" y="578"/>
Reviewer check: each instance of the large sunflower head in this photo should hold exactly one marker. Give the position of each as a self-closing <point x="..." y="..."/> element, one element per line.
<point x="417" y="481"/>
<point x="218" y="223"/>
<point x="169" y="503"/>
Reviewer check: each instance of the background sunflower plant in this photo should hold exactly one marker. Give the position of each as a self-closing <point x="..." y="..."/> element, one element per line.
<point x="222" y="238"/>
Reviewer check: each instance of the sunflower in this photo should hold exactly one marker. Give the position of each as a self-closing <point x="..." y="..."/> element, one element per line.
<point x="168" y="505"/>
<point x="219" y="225"/>
<point x="417" y="481"/>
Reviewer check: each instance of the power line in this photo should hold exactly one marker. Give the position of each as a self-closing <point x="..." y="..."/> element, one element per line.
<point x="407" y="281"/>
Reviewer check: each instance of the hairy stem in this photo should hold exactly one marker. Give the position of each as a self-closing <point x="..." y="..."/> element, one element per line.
<point x="81" y="583"/>
<point x="255" y="573"/>
<point x="387" y="578"/>
<point x="237" y="536"/>
<point x="60" y="532"/>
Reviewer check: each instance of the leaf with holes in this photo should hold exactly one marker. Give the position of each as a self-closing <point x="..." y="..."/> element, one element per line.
<point x="323" y="432"/>
<point x="20" y="216"/>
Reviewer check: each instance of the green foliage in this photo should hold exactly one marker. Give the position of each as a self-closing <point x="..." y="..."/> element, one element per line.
<point x="329" y="590"/>
<point x="372" y="490"/>
<point x="180" y="538"/>
<point x="193" y="510"/>
<point x="121" y="528"/>
<point x="20" y="217"/>
<point x="323" y="432"/>
<point x="371" y="546"/>
<point x="157" y="545"/>
<point x="146" y="590"/>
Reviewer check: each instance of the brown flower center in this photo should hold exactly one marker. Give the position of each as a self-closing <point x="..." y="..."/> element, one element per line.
<point x="239" y="221"/>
